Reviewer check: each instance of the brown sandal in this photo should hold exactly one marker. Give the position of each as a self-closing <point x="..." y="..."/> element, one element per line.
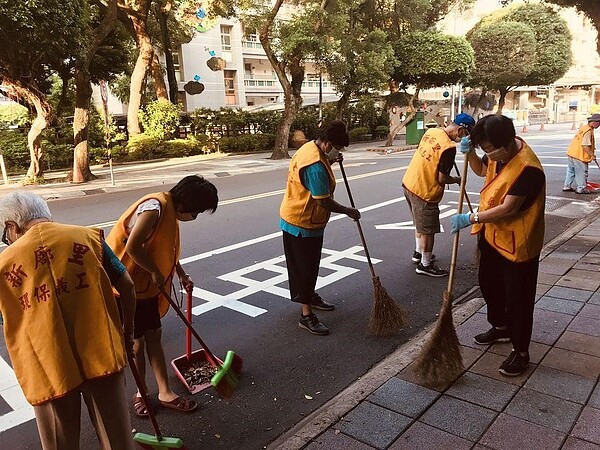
<point x="180" y="404"/>
<point x="139" y="407"/>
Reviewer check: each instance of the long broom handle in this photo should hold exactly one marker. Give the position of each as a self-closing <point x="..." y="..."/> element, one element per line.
<point x="466" y="195"/>
<point x="140" y="386"/>
<point x="187" y="323"/>
<point x="188" y="333"/>
<point x="461" y="195"/>
<point x="360" y="232"/>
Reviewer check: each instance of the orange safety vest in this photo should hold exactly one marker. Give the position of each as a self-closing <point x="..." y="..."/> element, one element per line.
<point x="299" y="207"/>
<point x="421" y="177"/>
<point x="575" y="149"/>
<point x="61" y="321"/>
<point x="162" y="246"/>
<point x="521" y="237"/>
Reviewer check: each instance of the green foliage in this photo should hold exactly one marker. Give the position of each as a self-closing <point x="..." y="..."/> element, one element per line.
<point x="504" y="54"/>
<point x="359" y="134"/>
<point x="57" y="156"/>
<point x="430" y="59"/>
<point x="13" y="144"/>
<point x="13" y="114"/>
<point x="381" y="131"/>
<point x="143" y="147"/>
<point x="160" y="119"/>
<point x="369" y="114"/>
<point x="247" y="143"/>
<point x="553" y="42"/>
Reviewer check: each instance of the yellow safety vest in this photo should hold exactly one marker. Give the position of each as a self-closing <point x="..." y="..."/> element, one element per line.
<point x="575" y="149"/>
<point x="421" y="177"/>
<point x="521" y="237"/>
<point x="163" y="248"/>
<point x="61" y="321"/>
<point x="298" y="207"/>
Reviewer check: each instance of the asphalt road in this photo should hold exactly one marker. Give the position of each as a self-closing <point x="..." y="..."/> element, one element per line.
<point x="235" y="258"/>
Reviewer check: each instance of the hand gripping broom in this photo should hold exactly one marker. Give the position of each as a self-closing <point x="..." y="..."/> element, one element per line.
<point x="387" y="318"/>
<point x="228" y="372"/>
<point x="440" y="360"/>
<point x="144" y="440"/>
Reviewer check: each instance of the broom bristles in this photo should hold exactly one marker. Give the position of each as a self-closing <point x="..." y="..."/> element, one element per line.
<point x="387" y="317"/>
<point x="440" y="360"/>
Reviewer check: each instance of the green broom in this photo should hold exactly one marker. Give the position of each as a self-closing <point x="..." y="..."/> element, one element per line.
<point x="440" y="360"/>
<point x="228" y="372"/>
<point x="144" y="440"/>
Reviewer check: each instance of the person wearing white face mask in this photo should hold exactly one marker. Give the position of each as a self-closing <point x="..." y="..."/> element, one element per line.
<point x="510" y="228"/>
<point x="423" y="185"/>
<point x="305" y="210"/>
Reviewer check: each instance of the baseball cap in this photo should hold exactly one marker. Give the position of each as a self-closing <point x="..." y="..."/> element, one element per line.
<point x="465" y="120"/>
<point x="594" y="118"/>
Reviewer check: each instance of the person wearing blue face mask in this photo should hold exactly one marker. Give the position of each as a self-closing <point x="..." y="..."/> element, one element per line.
<point x="509" y="225"/>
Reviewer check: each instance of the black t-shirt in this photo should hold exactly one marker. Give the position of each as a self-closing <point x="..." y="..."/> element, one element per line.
<point x="447" y="161"/>
<point x="528" y="185"/>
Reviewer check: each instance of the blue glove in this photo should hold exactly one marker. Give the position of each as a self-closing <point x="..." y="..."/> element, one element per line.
<point x="459" y="221"/>
<point x="465" y="145"/>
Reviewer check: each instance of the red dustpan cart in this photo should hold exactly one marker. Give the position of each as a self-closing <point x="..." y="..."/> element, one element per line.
<point x="194" y="369"/>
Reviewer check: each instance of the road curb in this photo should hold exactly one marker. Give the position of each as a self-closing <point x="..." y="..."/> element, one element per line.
<point x="329" y="413"/>
<point x="332" y="411"/>
<point x="388" y="150"/>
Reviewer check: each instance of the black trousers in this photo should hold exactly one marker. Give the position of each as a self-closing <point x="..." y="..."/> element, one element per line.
<point x="509" y="292"/>
<point x="302" y="256"/>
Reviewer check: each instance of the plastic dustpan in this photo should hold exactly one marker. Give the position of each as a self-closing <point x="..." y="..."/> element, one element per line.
<point x="194" y="369"/>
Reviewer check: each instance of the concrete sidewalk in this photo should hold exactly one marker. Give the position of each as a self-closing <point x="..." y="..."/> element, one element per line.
<point x="554" y="405"/>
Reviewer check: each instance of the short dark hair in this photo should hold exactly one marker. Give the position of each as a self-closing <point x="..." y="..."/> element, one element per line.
<point x="334" y="132"/>
<point x="499" y="130"/>
<point x="195" y="194"/>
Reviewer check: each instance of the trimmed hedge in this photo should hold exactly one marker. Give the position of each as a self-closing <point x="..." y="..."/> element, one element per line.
<point x="247" y="143"/>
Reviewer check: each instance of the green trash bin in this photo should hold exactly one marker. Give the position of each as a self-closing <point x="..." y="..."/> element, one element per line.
<point x="415" y="129"/>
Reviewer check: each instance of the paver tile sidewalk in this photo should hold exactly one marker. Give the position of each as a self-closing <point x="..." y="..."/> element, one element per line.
<point x="554" y="405"/>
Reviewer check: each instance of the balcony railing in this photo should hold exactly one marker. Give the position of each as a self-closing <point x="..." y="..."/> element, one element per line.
<point x="251" y="44"/>
<point x="260" y="83"/>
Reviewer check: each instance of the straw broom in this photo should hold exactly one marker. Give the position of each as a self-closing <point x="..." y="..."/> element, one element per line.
<point x="387" y="317"/>
<point x="440" y="360"/>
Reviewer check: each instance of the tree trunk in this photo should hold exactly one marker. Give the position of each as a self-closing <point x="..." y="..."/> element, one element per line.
<point x="142" y="65"/>
<point x="342" y="105"/>
<point x="501" y="100"/>
<point x="83" y="94"/>
<point x="481" y="98"/>
<point x="411" y="113"/>
<point x="162" y="14"/>
<point x="159" y="79"/>
<point x="43" y="111"/>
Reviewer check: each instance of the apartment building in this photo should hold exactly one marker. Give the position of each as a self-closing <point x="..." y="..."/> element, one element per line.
<point x="247" y="78"/>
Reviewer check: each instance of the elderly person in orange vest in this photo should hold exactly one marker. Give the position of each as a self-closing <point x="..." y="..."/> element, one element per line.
<point x="62" y="326"/>
<point x="423" y="184"/>
<point x="580" y="153"/>
<point x="510" y="228"/>
<point x="307" y="204"/>
<point x="146" y="240"/>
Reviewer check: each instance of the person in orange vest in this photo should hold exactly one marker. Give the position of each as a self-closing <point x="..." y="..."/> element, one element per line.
<point x="509" y="225"/>
<point x="62" y="325"/>
<point x="305" y="210"/>
<point x="146" y="240"/>
<point x="423" y="184"/>
<point x="580" y="153"/>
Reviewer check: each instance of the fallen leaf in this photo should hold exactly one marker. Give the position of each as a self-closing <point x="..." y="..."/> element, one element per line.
<point x="218" y="436"/>
<point x="307" y="397"/>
